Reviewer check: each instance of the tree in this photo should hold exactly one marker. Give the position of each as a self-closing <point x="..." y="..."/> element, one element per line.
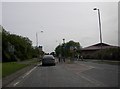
<point x="21" y="46"/>
<point x="65" y="49"/>
<point x="52" y="53"/>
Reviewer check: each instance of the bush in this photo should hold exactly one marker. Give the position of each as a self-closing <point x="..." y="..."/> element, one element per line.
<point x="16" y="47"/>
<point x="108" y="54"/>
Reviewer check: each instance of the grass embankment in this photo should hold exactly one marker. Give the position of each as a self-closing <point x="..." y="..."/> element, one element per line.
<point x="11" y="67"/>
<point x="0" y="70"/>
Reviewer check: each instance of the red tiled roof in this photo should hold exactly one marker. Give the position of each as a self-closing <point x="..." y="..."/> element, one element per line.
<point x="98" y="46"/>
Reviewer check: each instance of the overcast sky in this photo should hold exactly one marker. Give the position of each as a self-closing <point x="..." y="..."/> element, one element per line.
<point x="70" y="20"/>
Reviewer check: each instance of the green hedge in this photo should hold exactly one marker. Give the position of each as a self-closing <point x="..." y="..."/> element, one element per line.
<point x="107" y="54"/>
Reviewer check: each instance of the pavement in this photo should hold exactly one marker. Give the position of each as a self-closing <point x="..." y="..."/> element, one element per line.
<point x="76" y="74"/>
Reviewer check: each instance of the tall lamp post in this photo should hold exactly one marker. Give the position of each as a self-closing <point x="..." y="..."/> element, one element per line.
<point x="99" y="28"/>
<point x="40" y="47"/>
<point x="63" y="41"/>
<point x="37" y="38"/>
<point x="64" y="50"/>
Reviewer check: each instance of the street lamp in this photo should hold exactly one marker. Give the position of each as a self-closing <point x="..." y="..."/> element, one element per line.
<point x="37" y="38"/>
<point x="63" y="41"/>
<point x="64" y="50"/>
<point x="99" y="27"/>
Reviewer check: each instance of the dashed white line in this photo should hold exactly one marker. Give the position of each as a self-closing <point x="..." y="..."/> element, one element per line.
<point x="39" y="64"/>
<point x="24" y="76"/>
<point x="16" y="84"/>
<point x="28" y="72"/>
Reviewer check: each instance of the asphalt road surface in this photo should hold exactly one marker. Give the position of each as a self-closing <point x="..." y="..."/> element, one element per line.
<point x="78" y="74"/>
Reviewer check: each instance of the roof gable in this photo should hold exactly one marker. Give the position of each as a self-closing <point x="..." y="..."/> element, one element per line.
<point x="98" y="46"/>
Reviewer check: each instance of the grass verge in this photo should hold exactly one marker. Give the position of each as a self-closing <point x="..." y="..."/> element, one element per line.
<point x="11" y="67"/>
<point x="0" y="70"/>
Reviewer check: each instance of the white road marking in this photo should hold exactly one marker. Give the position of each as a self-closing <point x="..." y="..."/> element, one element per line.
<point x="87" y="66"/>
<point x="16" y="84"/>
<point x="91" y="80"/>
<point x="98" y="83"/>
<point x="91" y="67"/>
<point x="29" y="72"/>
<point x="39" y="64"/>
<point x="24" y="76"/>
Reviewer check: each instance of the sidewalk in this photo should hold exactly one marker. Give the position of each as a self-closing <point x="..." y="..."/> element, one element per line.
<point x="112" y="62"/>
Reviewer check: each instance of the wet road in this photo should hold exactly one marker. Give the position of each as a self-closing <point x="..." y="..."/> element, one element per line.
<point x="78" y="74"/>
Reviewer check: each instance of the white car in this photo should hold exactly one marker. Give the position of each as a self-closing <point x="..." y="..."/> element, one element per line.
<point x="48" y="60"/>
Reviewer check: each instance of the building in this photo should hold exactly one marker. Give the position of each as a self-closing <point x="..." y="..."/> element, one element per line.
<point x="96" y="47"/>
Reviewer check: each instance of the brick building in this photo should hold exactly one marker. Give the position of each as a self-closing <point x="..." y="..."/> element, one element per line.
<point x="96" y="47"/>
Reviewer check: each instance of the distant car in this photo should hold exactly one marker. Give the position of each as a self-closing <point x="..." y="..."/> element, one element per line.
<point x="48" y="60"/>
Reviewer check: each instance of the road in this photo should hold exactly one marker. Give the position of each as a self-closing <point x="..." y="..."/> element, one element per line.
<point x="78" y="74"/>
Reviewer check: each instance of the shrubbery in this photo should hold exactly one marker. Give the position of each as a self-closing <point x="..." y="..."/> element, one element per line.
<point x="107" y="54"/>
<point x="15" y="47"/>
